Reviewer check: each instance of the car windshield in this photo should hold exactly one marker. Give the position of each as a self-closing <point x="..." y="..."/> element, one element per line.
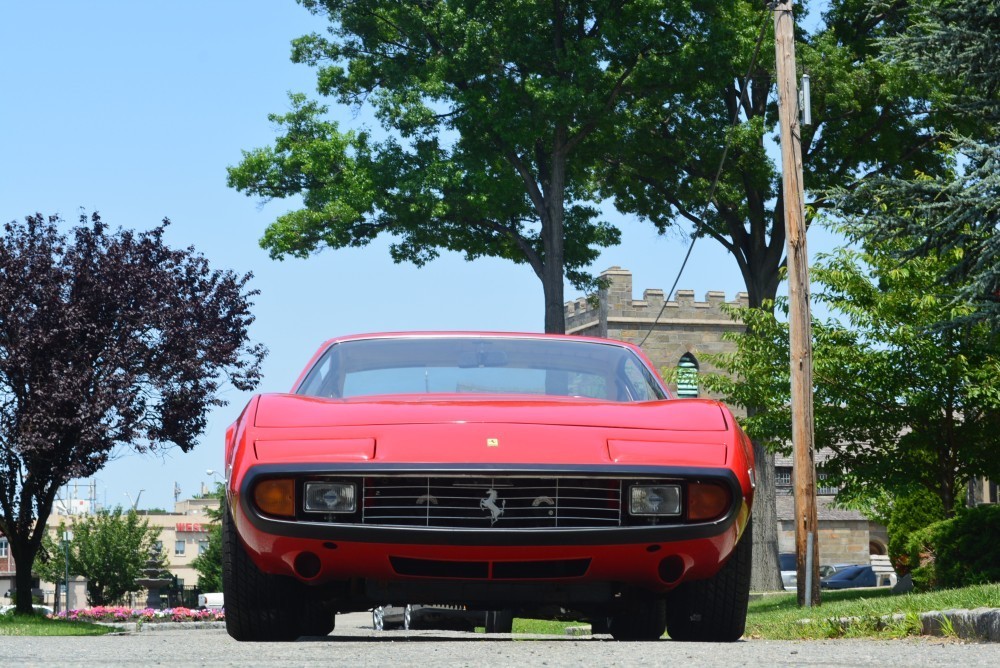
<point x="481" y="365"/>
<point x="787" y="561"/>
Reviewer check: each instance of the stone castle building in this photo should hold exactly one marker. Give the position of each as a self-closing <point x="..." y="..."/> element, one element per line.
<point x="673" y="334"/>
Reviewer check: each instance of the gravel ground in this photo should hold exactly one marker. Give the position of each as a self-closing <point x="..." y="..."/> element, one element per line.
<point x="354" y="643"/>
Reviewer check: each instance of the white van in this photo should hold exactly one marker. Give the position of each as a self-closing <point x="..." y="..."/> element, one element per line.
<point x="211" y="601"/>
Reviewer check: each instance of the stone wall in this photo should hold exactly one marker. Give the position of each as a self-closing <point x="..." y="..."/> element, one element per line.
<point x="840" y="541"/>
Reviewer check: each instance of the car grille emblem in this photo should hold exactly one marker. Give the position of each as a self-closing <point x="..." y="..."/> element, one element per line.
<point x="490" y="504"/>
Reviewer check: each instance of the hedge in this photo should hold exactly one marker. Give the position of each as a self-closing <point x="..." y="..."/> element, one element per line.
<point x="958" y="552"/>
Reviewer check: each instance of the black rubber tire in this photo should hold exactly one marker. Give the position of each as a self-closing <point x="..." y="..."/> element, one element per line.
<point x="639" y="619"/>
<point x="320" y="621"/>
<point x="499" y="621"/>
<point x="259" y="607"/>
<point x="601" y="624"/>
<point x="715" y="610"/>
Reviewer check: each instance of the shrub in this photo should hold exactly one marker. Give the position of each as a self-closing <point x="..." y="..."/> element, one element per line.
<point x="966" y="548"/>
<point x="910" y="513"/>
<point x="921" y="557"/>
<point x="958" y="552"/>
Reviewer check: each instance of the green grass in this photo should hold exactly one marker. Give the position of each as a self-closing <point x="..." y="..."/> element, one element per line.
<point x="777" y="617"/>
<point x="543" y="626"/>
<point x="38" y="625"/>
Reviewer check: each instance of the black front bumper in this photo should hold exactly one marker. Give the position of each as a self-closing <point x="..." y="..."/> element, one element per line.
<point x="666" y="531"/>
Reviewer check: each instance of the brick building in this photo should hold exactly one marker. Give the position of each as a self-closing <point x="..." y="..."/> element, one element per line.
<point x="183" y="536"/>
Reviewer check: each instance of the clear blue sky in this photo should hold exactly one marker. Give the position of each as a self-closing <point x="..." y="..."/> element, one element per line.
<point x="135" y="109"/>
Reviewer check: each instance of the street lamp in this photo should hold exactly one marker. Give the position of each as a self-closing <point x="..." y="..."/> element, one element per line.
<point x="67" y="537"/>
<point x="221" y="484"/>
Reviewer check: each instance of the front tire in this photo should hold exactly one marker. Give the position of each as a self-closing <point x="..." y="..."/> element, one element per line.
<point x="715" y="610"/>
<point x="321" y="621"/>
<point x="640" y="619"/>
<point x="259" y="607"/>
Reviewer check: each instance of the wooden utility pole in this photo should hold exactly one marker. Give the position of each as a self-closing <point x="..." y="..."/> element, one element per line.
<point x="799" y="318"/>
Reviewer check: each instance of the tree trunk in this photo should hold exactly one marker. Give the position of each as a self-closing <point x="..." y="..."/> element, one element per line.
<point x="24" y="558"/>
<point x="555" y="305"/>
<point x="553" y="239"/>
<point x="765" y="572"/>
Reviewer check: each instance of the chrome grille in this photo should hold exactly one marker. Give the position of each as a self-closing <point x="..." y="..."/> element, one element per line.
<point x="506" y="502"/>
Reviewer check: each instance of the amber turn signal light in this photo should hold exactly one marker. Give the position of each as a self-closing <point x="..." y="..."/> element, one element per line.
<point x="275" y="497"/>
<point x="706" y="501"/>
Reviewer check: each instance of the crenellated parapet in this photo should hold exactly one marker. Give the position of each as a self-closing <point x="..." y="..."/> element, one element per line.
<point x="616" y="308"/>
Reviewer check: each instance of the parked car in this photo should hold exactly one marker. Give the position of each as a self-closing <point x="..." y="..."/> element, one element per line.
<point x="849" y="578"/>
<point x="789" y="571"/>
<point x="385" y="617"/>
<point x="826" y="570"/>
<point x="211" y="601"/>
<point x="524" y="474"/>
<point x="790" y="575"/>
<point x="406" y="617"/>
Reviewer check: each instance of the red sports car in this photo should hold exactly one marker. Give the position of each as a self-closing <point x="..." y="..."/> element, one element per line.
<point x="519" y="474"/>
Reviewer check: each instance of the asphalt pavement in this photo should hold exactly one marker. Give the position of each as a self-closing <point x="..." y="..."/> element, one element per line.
<point x="355" y="643"/>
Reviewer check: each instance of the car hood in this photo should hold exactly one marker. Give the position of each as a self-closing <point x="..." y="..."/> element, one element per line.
<point x="288" y="411"/>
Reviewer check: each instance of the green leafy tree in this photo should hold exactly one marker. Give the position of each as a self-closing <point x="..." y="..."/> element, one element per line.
<point x="110" y="548"/>
<point x="869" y="118"/>
<point x="109" y="339"/>
<point x="954" y="42"/>
<point x="901" y="403"/>
<point x="495" y="116"/>
<point x="208" y="564"/>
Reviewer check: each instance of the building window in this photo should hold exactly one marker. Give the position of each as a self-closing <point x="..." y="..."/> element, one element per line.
<point x="783" y="476"/>
<point x="179" y="547"/>
<point x="687" y="377"/>
<point x="3" y="548"/>
<point x="825" y="490"/>
<point x="202" y="546"/>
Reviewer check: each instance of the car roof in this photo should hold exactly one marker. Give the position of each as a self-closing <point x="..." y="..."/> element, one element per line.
<point x="416" y="334"/>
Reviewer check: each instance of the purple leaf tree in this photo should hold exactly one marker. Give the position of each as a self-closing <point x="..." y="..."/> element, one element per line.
<point x="108" y="340"/>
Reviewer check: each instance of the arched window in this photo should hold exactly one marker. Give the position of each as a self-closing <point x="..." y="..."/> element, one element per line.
<point x="687" y="377"/>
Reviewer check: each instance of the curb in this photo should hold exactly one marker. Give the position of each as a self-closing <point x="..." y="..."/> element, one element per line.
<point x="144" y="627"/>
<point x="981" y="624"/>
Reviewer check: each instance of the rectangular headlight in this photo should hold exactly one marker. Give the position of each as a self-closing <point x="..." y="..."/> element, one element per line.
<point x="659" y="500"/>
<point x="329" y="497"/>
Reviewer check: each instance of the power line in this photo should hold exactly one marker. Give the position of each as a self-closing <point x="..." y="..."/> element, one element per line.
<point x="718" y="172"/>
